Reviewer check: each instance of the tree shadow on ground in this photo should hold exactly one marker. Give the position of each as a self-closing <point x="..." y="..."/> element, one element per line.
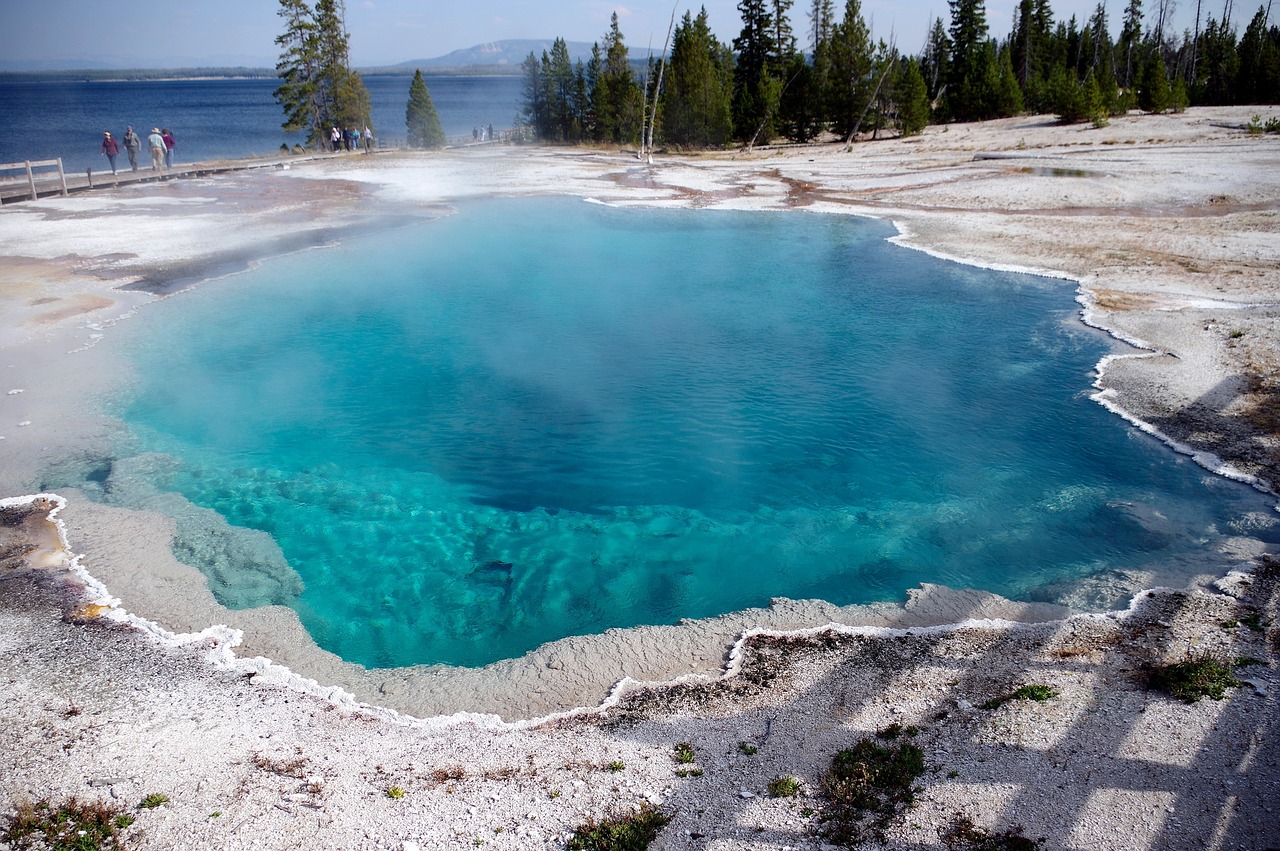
<point x="1106" y="763"/>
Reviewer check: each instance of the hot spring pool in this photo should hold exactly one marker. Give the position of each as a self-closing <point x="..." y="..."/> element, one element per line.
<point x="541" y="417"/>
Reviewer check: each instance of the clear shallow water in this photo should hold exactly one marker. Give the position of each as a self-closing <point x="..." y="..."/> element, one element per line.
<point x="541" y="418"/>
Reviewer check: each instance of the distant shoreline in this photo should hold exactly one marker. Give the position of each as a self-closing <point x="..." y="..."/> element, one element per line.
<point x="143" y="75"/>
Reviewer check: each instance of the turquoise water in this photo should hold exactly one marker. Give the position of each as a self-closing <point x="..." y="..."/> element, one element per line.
<point x="541" y="418"/>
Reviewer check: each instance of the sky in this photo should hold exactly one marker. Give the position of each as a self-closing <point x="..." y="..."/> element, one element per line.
<point x="190" y="33"/>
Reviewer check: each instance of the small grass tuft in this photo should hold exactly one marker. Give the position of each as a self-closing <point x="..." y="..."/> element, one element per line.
<point x="1193" y="679"/>
<point x="964" y="835"/>
<point x="1035" y="691"/>
<point x="631" y="832"/>
<point x="785" y="786"/>
<point x="395" y="793"/>
<point x="748" y="748"/>
<point x="615" y="766"/>
<point x="896" y="730"/>
<point x="73" y="825"/>
<point x="152" y="801"/>
<point x="868" y="786"/>
<point x="684" y="753"/>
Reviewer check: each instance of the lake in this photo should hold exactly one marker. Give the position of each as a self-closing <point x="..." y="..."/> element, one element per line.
<point x="215" y="118"/>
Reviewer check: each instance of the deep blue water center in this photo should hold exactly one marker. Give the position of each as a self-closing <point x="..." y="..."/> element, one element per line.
<point x="539" y="418"/>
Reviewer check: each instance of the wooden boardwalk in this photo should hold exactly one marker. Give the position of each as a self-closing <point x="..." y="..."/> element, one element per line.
<point x="15" y="188"/>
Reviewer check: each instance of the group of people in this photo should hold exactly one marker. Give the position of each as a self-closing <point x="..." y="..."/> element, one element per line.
<point x="160" y="142"/>
<point x="350" y="139"/>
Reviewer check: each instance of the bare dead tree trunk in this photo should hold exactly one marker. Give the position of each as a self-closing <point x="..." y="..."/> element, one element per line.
<point x="657" y="89"/>
<point x="1195" y="45"/>
<point x="875" y="93"/>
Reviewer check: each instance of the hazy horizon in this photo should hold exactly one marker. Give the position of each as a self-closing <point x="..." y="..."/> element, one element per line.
<point x="83" y="35"/>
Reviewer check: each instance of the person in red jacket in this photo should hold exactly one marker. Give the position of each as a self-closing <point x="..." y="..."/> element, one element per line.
<point x="110" y="149"/>
<point x="168" y="147"/>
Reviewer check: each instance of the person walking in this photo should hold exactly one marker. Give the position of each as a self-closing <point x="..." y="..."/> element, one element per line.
<point x="110" y="149"/>
<point x="168" y="147"/>
<point x="132" y="144"/>
<point x="156" y="143"/>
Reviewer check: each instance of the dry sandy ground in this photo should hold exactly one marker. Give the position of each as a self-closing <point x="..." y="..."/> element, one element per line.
<point x="1172" y="225"/>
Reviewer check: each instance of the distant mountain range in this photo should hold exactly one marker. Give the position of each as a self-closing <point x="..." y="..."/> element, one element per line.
<point x="494" y="55"/>
<point x="511" y="52"/>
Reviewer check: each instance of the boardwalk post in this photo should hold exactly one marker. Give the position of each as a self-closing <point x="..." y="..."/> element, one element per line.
<point x="31" y="181"/>
<point x="63" y="177"/>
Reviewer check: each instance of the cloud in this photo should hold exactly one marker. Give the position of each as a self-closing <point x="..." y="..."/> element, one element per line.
<point x="368" y="4"/>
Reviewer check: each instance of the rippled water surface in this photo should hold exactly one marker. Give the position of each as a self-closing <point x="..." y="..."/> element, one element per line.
<point x="539" y="418"/>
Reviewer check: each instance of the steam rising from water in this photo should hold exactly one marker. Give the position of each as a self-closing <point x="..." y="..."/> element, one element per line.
<point x="546" y="418"/>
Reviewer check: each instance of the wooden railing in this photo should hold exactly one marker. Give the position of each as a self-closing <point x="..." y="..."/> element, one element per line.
<point x="30" y="167"/>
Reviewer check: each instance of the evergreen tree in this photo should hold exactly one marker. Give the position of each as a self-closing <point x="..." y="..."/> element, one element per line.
<point x="1100" y="38"/>
<point x="912" y="98"/>
<point x="318" y="88"/>
<point x="935" y="62"/>
<point x="756" y="91"/>
<point x="299" y="69"/>
<point x="697" y="106"/>
<point x="784" y="41"/>
<point x="852" y="65"/>
<point x="615" y="99"/>
<point x="534" y="97"/>
<point x="1217" y="66"/>
<point x="1130" y="34"/>
<point x="974" y="72"/>
<point x="564" y="121"/>
<point x="1153" y="88"/>
<point x="1258" y="79"/>
<point x="799" y="109"/>
<point x="822" y="18"/>
<point x="420" y="117"/>
<point x="353" y="108"/>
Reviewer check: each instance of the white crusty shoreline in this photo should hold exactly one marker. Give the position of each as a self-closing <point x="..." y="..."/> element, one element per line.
<point x="61" y="279"/>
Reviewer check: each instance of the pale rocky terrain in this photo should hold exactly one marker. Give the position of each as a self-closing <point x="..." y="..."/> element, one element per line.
<point x="1171" y="226"/>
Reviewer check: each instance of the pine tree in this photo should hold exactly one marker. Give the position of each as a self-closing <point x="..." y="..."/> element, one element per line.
<point x="974" y="69"/>
<point x="851" y="69"/>
<point x="533" y="107"/>
<point x="756" y="91"/>
<point x="1258" y="79"/>
<point x="563" y="114"/>
<point x="912" y="98"/>
<point x="318" y="88"/>
<point x="697" y="106"/>
<point x="935" y="62"/>
<point x="822" y="18"/>
<point x="420" y="118"/>
<point x="299" y="69"/>
<point x="616" y="98"/>
<point x="1130" y="34"/>
<point x="1153" y="90"/>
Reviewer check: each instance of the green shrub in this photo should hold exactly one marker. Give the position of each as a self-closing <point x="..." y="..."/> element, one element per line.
<point x="152" y="801"/>
<point x="73" y="825"/>
<point x="785" y="786"/>
<point x="631" y="832"/>
<point x="867" y="786"/>
<point x="1193" y="679"/>
<point x="684" y="752"/>
<point x="1035" y="691"/>
<point x="964" y="835"/>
